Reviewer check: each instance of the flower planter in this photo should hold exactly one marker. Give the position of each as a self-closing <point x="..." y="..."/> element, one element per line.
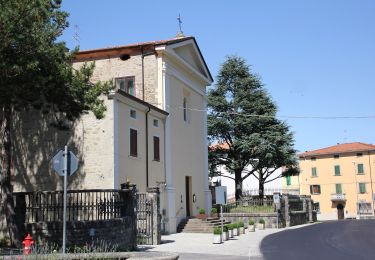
<point x="214" y="215"/>
<point x="242" y="230"/>
<point x="217" y="239"/>
<point x="202" y="216"/>
<point x="235" y="232"/>
<point x="260" y="226"/>
<point x="251" y="228"/>
<point x="226" y="236"/>
<point x="230" y="233"/>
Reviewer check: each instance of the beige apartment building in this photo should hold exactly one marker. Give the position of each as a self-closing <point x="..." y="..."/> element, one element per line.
<point x="154" y="132"/>
<point x="339" y="179"/>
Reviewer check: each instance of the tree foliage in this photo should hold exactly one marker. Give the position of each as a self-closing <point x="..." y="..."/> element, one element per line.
<point x="36" y="72"/>
<point x="242" y="118"/>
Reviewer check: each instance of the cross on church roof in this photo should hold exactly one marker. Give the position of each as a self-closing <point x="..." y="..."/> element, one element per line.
<point x="180" y="33"/>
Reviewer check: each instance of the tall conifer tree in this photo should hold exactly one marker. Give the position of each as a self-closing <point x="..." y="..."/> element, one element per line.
<point x="242" y="117"/>
<point x="36" y="73"/>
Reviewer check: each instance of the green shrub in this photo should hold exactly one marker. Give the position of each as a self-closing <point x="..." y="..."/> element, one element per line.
<point x="230" y="226"/>
<point x="251" y="222"/>
<point x="3" y="242"/>
<point x="235" y="225"/>
<point x="202" y="211"/>
<point x="213" y="211"/>
<point x="241" y="224"/>
<point x="261" y="221"/>
<point x="217" y="231"/>
<point x="225" y="228"/>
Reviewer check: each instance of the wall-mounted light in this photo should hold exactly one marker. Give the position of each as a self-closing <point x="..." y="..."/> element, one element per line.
<point x="194" y="198"/>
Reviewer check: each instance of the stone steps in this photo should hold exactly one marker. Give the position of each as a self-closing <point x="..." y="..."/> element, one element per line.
<point x="195" y="225"/>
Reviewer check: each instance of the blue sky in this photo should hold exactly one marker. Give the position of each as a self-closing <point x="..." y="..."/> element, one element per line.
<point x="316" y="58"/>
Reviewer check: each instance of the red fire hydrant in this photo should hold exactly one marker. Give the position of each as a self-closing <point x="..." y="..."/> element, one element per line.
<point x="27" y="243"/>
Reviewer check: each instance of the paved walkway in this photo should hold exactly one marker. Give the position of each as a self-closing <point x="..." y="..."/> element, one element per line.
<point x="193" y="245"/>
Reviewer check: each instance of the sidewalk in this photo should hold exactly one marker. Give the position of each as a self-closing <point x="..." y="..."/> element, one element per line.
<point x="246" y="245"/>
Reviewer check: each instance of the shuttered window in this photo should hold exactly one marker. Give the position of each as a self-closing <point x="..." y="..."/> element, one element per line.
<point x="338" y="189"/>
<point x="314" y="189"/>
<point x="288" y="180"/>
<point x="360" y="168"/>
<point x="362" y="187"/>
<point x="156" y="148"/>
<point x="337" y="170"/>
<point x="133" y="143"/>
<point x="313" y="172"/>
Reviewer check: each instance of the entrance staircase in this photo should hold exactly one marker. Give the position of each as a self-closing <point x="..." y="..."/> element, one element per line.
<point x="195" y="225"/>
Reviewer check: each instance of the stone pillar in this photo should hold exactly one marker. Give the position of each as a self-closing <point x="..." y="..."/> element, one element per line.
<point x="304" y="204"/>
<point x="154" y="194"/>
<point x="309" y="203"/>
<point x="286" y="211"/>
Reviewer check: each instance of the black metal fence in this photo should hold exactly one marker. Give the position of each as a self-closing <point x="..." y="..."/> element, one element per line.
<point x="250" y="205"/>
<point x="82" y="205"/>
<point x="144" y="219"/>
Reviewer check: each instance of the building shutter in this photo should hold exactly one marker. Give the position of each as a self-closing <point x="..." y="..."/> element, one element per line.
<point x="133" y="143"/>
<point x="156" y="148"/>
<point x="360" y="168"/>
<point x="337" y="169"/>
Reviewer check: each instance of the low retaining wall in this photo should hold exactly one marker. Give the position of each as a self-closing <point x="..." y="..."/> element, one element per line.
<point x="269" y="218"/>
<point x="116" y="232"/>
<point x="298" y="218"/>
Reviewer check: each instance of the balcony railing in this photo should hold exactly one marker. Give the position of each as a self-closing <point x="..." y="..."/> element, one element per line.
<point x="338" y="197"/>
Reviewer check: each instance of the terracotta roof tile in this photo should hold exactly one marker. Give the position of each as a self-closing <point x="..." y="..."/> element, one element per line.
<point x="222" y="146"/>
<point x="155" y="43"/>
<point x="340" y="148"/>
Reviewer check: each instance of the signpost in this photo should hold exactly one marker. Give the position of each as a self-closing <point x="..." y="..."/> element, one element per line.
<point x="221" y="198"/>
<point x="65" y="163"/>
<point x="276" y="201"/>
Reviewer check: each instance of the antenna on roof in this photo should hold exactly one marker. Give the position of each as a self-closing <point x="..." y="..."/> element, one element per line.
<point x="180" y="34"/>
<point x="75" y="35"/>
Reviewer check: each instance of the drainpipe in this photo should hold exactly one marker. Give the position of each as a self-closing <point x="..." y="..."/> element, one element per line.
<point x="147" y="173"/>
<point x="143" y="74"/>
<point x="372" y="192"/>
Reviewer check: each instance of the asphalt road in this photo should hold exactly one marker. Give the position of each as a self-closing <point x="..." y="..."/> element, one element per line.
<point x="341" y="240"/>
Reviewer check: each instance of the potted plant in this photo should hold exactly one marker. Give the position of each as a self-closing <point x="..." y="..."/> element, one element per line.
<point x="226" y="233"/>
<point x="235" y="229"/>
<point x="230" y="230"/>
<point x="217" y="235"/>
<point x="261" y="224"/>
<point x="251" y="225"/>
<point x="214" y="213"/>
<point x="242" y="227"/>
<point x="246" y="223"/>
<point x="202" y="214"/>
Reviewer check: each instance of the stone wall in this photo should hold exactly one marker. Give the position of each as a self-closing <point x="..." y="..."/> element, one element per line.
<point x="111" y="68"/>
<point x="269" y="218"/>
<point x="120" y="232"/>
<point x="36" y="141"/>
